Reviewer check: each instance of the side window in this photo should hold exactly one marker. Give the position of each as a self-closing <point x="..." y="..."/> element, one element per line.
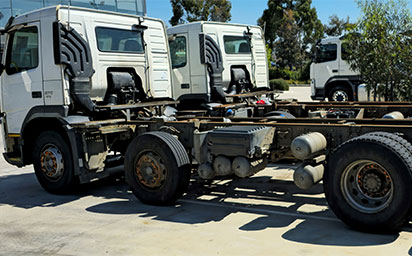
<point x="178" y="51"/>
<point x="237" y="44"/>
<point x="344" y="51"/>
<point x="326" y="52"/>
<point x="23" y="50"/>
<point x="119" y="40"/>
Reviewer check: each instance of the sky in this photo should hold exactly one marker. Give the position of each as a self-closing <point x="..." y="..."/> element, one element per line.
<point x="248" y="11"/>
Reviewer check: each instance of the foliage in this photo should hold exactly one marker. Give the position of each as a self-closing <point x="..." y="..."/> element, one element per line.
<point x="380" y="47"/>
<point x="304" y="74"/>
<point x="298" y="76"/>
<point x="196" y="10"/>
<point x="291" y="29"/>
<point x="336" y="26"/>
<point x="269" y="54"/>
<point x="279" y="84"/>
<point x="305" y="16"/>
<point x="288" y="46"/>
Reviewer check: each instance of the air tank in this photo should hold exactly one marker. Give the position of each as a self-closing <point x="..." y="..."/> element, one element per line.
<point x="222" y="166"/>
<point x="243" y="167"/>
<point x="393" y="115"/>
<point x="305" y="146"/>
<point x="206" y="171"/>
<point x="307" y="175"/>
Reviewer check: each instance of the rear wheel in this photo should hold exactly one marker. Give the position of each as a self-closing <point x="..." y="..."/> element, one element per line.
<point x="53" y="163"/>
<point x="157" y="168"/>
<point x="367" y="183"/>
<point x="339" y="93"/>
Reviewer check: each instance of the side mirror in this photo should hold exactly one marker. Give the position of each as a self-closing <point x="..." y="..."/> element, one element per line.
<point x="2" y="68"/>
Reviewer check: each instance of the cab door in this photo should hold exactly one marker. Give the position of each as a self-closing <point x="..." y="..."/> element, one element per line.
<point x="22" y="82"/>
<point x="344" y="66"/>
<point x="326" y="65"/>
<point x="179" y="54"/>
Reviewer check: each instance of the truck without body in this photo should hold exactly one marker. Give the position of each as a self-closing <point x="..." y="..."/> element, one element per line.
<point x="330" y="73"/>
<point x="83" y="91"/>
<point x="211" y="60"/>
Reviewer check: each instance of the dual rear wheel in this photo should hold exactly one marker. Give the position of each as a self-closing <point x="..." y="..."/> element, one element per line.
<point x="368" y="182"/>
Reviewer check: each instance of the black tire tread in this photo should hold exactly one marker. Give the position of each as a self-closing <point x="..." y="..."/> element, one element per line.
<point x="396" y="144"/>
<point x="395" y="137"/>
<point x="179" y="151"/>
<point x="182" y="163"/>
<point x="71" y="182"/>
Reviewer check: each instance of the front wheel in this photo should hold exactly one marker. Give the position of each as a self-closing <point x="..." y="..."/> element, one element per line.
<point x="368" y="181"/>
<point x="339" y="94"/>
<point x="53" y="163"/>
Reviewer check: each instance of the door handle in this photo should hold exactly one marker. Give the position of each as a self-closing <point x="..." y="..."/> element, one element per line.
<point x="36" y="95"/>
<point x="335" y="70"/>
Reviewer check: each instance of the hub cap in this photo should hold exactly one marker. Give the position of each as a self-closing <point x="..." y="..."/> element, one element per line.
<point x="340" y="96"/>
<point x="51" y="162"/>
<point x="150" y="170"/>
<point x="367" y="186"/>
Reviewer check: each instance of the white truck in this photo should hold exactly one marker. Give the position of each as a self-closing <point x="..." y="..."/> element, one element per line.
<point x="211" y="60"/>
<point x="49" y="70"/>
<point x="330" y="74"/>
<point x="84" y="90"/>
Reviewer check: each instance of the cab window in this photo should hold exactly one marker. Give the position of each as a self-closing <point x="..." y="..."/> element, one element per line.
<point x="237" y="44"/>
<point x="23" y="50"/>
<point x="178" y="51"/>
<point x="344" y="51"/>
<point x="326" y="52"/>
<point x="119" y="40"/>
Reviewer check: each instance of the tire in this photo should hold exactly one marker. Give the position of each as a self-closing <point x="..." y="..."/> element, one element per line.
<point x="368" y="183"/>
<point x="167" y="168"/>
<point x="53" y="163"/>
<point x="340" y="94"/>
<point x="403" y="142"/>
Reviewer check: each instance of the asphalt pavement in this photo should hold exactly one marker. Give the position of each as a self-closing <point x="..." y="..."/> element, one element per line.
<point x="263" y="215"/>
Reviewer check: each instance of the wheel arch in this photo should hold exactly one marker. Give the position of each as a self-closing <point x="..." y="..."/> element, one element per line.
<point x="33" y="129"/>
<point x="339" y="82"/>
<point x="46" y="118"/>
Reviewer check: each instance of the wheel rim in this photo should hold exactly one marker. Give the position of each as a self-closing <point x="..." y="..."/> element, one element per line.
<point x="150" y="171"/>
<point x="367" y="186"/>
<point x="340" y="96"/>
<point x="52" y="162"/>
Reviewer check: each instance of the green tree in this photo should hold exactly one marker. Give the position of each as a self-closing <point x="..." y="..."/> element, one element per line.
<point x="336" y="26"/>
<point x="287" y="47"/>
<point x="196" y="10"/>
<point x="307" y="28"/>
<point x="306" y="18"/>
<point x="380" y="48"/>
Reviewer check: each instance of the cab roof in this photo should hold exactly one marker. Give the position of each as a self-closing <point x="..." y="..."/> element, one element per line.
<point x="36" y="15"/>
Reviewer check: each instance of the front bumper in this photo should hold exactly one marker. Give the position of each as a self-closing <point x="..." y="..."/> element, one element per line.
<point x="319" y="94"/>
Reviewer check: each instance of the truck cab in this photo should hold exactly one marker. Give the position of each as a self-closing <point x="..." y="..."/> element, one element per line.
<point x="61" y="64"/>
<point x="330" y="73"/>
<point x="211" y="60"/>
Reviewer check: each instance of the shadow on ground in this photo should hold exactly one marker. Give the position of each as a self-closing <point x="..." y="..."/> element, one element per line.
<point x="276" y="203"/>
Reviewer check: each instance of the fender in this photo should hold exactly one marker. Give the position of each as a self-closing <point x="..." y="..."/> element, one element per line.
<point x="60" y="115"/>
<point x="353" y="82"/>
